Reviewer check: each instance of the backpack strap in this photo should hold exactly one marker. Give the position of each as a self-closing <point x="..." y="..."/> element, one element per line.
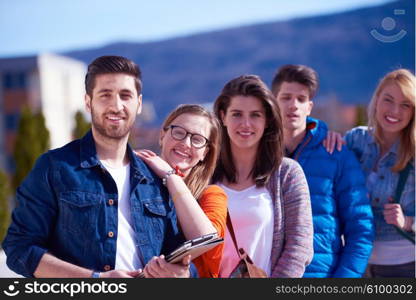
<point x="402" y="181"/>
<point x="399" y="190"/>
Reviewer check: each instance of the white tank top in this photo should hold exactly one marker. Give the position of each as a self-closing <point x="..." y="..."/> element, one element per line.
<point x="251" y="212"/>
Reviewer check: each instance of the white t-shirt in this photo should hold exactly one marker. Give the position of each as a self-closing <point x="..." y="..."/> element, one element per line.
<point x="404" y="252"/>
<point x="127" y="254"/>
<point x="251" y="212"/>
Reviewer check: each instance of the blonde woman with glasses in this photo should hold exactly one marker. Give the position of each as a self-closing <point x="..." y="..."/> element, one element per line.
<point x="190" y="139"/>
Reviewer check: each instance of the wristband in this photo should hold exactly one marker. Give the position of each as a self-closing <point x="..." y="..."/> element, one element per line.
<point x="175" y="171"/>
<point x="95" y="274"/>
<point x="168" y="173"/>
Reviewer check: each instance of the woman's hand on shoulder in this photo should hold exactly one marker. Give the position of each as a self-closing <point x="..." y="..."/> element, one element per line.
<point x="155" y="162"/>
<point x="333" y="139"/>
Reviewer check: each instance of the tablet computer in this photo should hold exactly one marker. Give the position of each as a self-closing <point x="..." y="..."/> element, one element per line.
<point x="194" y="247"/>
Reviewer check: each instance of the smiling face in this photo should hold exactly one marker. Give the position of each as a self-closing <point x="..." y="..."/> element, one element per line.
<point x="245" y="120"/>
<point x="114" y="105"/>
<point x="181" y="153"/>
<point x="295" y="105"/>
<point x="393" y="110"/>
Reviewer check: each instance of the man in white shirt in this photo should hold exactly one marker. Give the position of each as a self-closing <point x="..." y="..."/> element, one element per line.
<point x="92" y="208"/>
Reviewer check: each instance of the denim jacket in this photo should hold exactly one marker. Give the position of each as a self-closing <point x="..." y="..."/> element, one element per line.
<point x="67" y="206"/>
<point x="362" y="142"/>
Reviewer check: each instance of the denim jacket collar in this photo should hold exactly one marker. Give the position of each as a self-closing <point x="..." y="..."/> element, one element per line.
<point x="390" y="155"/>
<point x="138" y="168"/>
<point x="89" y="159"/>
<point x="88" y="152"/>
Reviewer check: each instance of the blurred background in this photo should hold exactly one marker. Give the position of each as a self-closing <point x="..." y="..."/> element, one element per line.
<point x="187" y="51"/>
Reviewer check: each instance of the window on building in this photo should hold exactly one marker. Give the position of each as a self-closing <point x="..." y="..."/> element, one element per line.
<point x="21" y="80"/>
<point x="7" y="81"/>
<point x="14" y="80"/>
<point x="11" y="121"/>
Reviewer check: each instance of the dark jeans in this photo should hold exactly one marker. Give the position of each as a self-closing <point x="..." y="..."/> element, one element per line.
<point x="406" y="270"/>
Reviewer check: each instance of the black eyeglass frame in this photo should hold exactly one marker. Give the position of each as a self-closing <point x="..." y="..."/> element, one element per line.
<point x="171" y="127"/>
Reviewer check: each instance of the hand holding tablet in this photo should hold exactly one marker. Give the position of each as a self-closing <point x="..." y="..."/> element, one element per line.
<point x="194" y="248"/>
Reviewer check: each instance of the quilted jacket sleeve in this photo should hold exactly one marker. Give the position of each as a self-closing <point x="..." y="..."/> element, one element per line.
<point x="355" y="215"/>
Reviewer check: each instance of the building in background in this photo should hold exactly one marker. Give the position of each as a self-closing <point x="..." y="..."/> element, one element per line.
<point x="51" y="83"/>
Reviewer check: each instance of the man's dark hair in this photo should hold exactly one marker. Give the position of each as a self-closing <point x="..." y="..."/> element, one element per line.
<point x="296" y="73"/>
<point x="112" y="64"/>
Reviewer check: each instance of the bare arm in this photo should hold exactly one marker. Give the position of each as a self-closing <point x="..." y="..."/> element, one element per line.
<point x="53" y="267"/>
<point x="192" y="218"/>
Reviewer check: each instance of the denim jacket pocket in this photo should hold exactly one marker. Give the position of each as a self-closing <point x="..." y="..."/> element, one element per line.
<point x="156" y="207"/>
<point x="156" y="211"/>
<point x="79" y="211"/>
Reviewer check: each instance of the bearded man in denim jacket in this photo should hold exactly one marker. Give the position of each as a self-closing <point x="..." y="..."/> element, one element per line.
<point x="342" y="216"/>
<point x="92" y="208"/>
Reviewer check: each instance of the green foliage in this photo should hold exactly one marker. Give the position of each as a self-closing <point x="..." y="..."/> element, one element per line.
<point x="361" y="116"/>
<point x="4" y="204"/>
<point x="81" y="126"/>
<point x="32" y="140"/>
<point x="42" y="133"/>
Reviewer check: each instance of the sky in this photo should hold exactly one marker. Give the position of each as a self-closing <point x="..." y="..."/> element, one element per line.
<point x="32" y="26"/>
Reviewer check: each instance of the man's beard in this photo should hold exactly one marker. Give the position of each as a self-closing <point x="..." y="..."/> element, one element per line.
<point x="111" y="131"/>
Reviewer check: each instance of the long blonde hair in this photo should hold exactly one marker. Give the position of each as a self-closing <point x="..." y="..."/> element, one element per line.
<point x="200" y="175"/>
<point x="406" y="81"/>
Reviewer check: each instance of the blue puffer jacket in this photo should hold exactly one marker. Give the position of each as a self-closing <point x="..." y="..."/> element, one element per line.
<point x="340" y="207"/>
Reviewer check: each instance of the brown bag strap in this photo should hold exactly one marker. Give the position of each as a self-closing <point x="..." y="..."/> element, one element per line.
<point x="231" y="230"/>
<point x="252" y="270"/>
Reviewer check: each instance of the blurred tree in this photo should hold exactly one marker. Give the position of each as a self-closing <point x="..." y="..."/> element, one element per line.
<point x="81" y="126"/>
<point x="31" y="141"/>
<point x="4" y="204"/>
<point x="42" y="133"/>
<point x="361" y="115"/>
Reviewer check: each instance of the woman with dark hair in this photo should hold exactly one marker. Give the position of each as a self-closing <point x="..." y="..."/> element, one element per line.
<point x="190" y="140"/>
<point x="268" y="196"/>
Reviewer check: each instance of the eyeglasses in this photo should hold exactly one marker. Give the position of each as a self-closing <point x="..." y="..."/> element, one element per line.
<point x="179" y="133"/>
